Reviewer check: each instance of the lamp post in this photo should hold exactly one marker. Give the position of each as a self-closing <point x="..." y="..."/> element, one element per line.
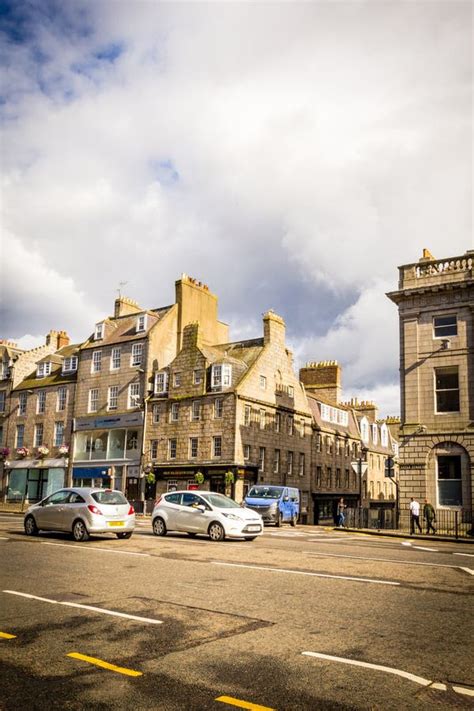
<point x="359" y="466"/>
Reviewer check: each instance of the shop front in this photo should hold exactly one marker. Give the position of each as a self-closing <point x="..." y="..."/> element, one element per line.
<point x="229" y="480"/>
<point x="33" y="479"/>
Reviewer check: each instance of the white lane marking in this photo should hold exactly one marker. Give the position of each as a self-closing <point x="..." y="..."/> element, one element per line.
<point x="386" y="560"/>
<point x="467" y="570"/>
<point x="103" y="611"/>
<point x="470" y="555"/>
<point x="2" y="538"/>
<point x="422" y="548"/>
<point x="92" y="548"/>
<point x="302" y="572"/>
<point x="406" y="543"/>
<point x="391" y="670"/>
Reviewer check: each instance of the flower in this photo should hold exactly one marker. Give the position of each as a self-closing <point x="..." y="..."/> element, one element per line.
<point x="4" y="451"/>
<point x="22" y="451"/>
<point x="43" y="451"/>
<point x="199" y="478"/>
<point x="63" y="450"/>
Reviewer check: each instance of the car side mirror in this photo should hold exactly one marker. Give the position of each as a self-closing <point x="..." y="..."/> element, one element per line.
<point x="201" y="508"/>
<point x="285" y="498"/>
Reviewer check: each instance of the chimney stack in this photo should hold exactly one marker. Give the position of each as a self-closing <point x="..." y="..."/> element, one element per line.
<point x="57" y="339"/>
<point x="323" y="378"/>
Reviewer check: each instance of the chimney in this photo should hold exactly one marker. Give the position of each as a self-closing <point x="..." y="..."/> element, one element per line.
<point x="191" y="336"/>
<point x="57" y="339"/>
<point x="197" y="304"/>
<point x="323" y="378"/>
<point x="365" y="407"/>
<point x="273" y="328"/>
<point x="125" y="306"/>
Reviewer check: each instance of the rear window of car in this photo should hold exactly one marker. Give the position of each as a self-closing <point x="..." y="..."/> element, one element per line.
<point x="109" y="497"/>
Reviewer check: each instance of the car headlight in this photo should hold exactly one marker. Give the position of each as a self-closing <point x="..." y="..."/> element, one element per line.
<point x="233" y="517"/>
<point x="274" y="505"/>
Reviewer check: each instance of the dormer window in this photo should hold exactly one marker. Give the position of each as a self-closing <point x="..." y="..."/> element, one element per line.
<point x="364" y="430"/>
<point x="221" y="375"/>
<point x="70" y="364"/>
<point x="43" y="369"/>
<point x="375" y="434"/>
<point x="161" y="382"/>
<point x="384" y="435"/>
<point x="141" y="323"/>
<point x="99" y="331"/>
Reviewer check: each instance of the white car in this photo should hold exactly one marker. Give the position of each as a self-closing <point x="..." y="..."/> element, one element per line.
<point x="206" y="512"/>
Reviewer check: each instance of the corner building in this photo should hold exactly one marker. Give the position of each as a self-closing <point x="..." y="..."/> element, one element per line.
<point x="435" y="301"/>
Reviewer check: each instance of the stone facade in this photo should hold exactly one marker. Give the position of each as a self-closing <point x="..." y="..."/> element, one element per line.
<point x="435" y="300"/>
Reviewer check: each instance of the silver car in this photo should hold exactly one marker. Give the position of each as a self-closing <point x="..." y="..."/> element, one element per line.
<point x="82" y="511"/>
<point x="205" y="512"/>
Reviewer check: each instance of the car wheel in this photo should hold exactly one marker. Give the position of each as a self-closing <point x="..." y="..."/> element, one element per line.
<point x="124" y="535"/>
<point x="159" y="527"/>
<point x="31" y="529"/>
<point x="294" y="520"/>
<point x="216" y="532"/>
<point x="279" y="520"/>
<point x="79" y="531"/>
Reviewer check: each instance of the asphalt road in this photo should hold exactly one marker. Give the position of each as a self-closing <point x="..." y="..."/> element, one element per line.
<point x="297" y="619"/>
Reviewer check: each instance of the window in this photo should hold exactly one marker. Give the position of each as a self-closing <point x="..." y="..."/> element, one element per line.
<point x="58" y="434"/>
<point x="217" y="446"/>
<point x="301" y="464"/>
<point x="133" y="395"/>
<point x="289" y="464"/>
<point x="154" y="449"/>
<point x="328" y="445"/>
<point x="329" y="476"/>
<point x="384" y="435"/>
<point x="247" y="411"/>
<point x="364" y="430"/>
<point x="99" y="331"/>
<point x="218" y="407"/>
<point x="277" y="421"/>
<point x="141" y="323"/>
<point x="156" y="414"/>
<point x="196" y="410"/>
<point x="263" y="382"/>
<point x="176" y="380"/>
<point x="172" y="448"/>
<point x="112" y="397"/>
<point x="375" y="433"/>
<point x="447" y="389"/>
<point x="137" y="354"/>
<point x="174" y="412"/>
<point x="291" y="391"/>
<point x="246" y="451"/>
<point x="261" y="459"/>
<point x="115" y="359"/>
<point x="43" y="369"/>
<point x="338" y="478"/>
<point x="319" y="476"/>
<point x="96" y="362"/>
<point x="221" y="375"/>
<point x="41" y="402"/>
<point x="346" y="478"/>
<point x="197" y="377"/>
<point x="20" y="435"/>
<point x="38" y="441"/>
<point x="444" y="326"/>
<point x="319" y="440"/>
<point x="333" y="414"/>
<point x="290" y="424"/>
<point x="302" y="428"/>
<point x="276" y="462"/>
<point x="262" y="419"/>
<point x="70" y="364"/>
<point x="161" y="382"/>
<point x="449" y="481"/>
<point x="193" y="447"/>
<point x="93" y="400"/>
<point x="2" y="400"/>
<point x="61" y="399"/>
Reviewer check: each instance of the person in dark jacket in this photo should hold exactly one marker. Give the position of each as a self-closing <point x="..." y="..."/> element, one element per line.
<point x="429" y="515"/>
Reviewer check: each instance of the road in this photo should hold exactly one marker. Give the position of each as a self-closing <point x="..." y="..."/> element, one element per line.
<point x="300" y="618"/>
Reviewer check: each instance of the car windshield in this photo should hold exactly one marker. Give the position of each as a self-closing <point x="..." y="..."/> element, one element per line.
<point x="107" y="497"/>
<point x="220" y="501"/>
<point x="265" y="492"/>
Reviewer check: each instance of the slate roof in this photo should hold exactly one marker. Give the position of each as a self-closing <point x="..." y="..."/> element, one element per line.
<point x="124" y="328"/>
<point x="55" y="378"/>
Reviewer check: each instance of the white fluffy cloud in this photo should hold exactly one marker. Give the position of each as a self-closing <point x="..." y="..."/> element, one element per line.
<point x="289" y="155"/>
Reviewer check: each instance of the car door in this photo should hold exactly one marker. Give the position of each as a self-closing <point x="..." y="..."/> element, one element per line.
<point x="73" y="507"/>
<point x="190" y="518"/>
<point x="51" y="515"/>
<point x="285" y="505"/>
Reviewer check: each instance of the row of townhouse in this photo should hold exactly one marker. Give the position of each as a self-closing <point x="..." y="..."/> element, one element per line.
<point x="160" y="399"/>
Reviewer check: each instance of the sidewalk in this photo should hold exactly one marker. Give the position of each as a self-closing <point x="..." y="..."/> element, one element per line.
<point x="405" y="535"/>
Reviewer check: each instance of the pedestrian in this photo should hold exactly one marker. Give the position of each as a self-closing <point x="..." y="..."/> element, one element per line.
<point x="429" y="514"/>
<point x="414" y="516"/>
<point x="340" y="513"/>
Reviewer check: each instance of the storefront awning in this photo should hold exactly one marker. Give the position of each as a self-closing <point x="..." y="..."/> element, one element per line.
<point x="36" y="464"/>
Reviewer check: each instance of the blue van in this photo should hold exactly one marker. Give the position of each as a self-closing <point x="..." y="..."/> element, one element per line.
<point x="275" y="504"/>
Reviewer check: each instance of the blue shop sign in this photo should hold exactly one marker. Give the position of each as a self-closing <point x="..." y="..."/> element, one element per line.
<point x="90" y="472"/>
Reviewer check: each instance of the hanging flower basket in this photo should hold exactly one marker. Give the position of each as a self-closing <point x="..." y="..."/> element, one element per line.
<point x="42" y="451"/>
<point x="4" y="452"/>
<point x="22" y="452"/>
<point x="63" y="450"/>
<point x="199" y="478"/>
<point x="150" y="477"/>
<point x="229" y="478"/>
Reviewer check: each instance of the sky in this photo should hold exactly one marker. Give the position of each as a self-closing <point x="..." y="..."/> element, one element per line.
<point x="289" y="155"/>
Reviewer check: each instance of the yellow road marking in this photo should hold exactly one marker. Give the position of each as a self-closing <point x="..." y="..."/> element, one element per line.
<point x="243" y="704"/>
<point x="104" y="665"/>
<point x="5" y="635"/>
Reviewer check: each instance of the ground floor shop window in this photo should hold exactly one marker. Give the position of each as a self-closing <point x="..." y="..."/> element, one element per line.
<point x="449" y="481"/>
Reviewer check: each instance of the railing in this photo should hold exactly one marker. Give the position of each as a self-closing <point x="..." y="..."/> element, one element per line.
<point x="441" y="266"/>
<point x="456" y="524"/>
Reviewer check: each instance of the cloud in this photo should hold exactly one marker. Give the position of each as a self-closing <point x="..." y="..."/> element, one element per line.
<point x="291" y="156"/>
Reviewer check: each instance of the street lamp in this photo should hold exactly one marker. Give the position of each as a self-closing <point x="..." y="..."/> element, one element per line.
<point x="359" y="466"/>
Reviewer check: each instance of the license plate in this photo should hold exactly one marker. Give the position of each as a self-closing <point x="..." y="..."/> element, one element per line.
<point x="253" y="528"/>
<point x="116" y="523"/>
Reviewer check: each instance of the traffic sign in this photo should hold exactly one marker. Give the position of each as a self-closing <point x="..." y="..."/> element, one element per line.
<point x="359" y="467"/>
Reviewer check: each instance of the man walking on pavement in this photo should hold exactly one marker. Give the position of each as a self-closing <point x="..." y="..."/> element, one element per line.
<point x="429" y="515"/>
<point x="414" y="516"/>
